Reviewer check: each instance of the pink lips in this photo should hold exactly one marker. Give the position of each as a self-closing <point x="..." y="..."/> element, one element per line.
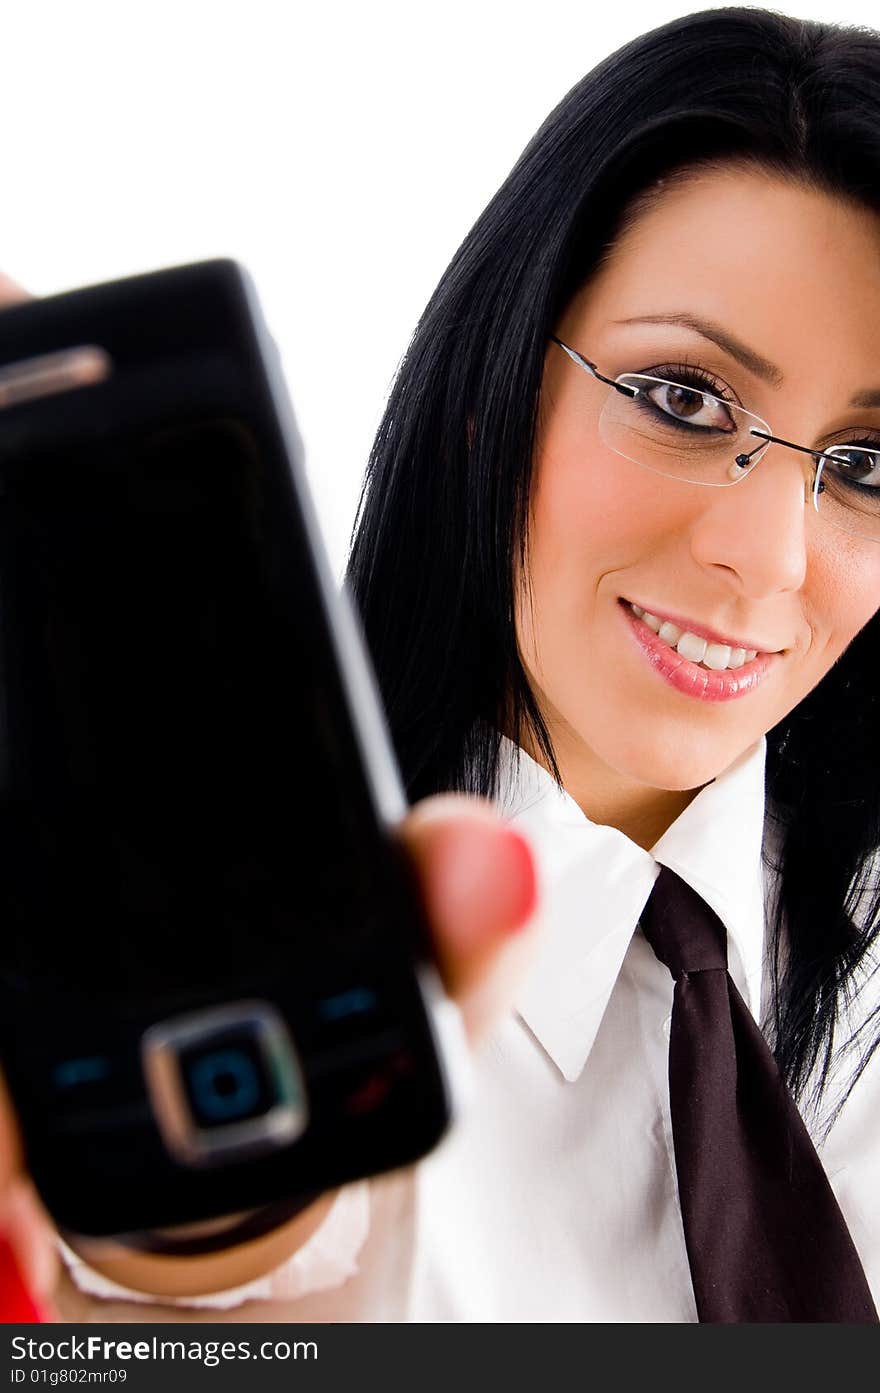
<point x="690" y="678"/>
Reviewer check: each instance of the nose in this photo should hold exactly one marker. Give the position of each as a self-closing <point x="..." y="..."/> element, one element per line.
<point x="756" y="530"/>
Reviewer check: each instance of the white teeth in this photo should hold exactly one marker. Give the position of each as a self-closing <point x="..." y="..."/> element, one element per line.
<point x="717" y="656"/>
<point x="692" y="647"/>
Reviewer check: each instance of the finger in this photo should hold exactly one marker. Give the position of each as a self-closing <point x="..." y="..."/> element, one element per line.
<point x="478" y="884"/>
<point x="29" y="1232"/>
<point x="10" y="1142"/>
<point x="27" y="1261"/>
<point x="11" y="292"/>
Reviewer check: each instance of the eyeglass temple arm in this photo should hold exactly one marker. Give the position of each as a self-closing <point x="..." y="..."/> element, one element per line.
<point x="742" y="460"/>
<point x="591" y="368"/>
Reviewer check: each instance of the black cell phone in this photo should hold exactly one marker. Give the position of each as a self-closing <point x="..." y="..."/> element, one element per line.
<point x="215" y="991"/>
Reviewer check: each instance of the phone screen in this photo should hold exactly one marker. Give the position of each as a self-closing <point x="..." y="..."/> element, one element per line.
<point x="179" y="795"/>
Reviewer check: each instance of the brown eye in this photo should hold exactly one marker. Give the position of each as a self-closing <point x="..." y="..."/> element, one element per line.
<point x="683" y="401"/>
<point x="858" y="464"/>
<point x="688" y="405"/>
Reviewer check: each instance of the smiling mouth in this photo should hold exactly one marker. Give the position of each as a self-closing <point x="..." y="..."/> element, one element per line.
<point x="717" y="672"/>
<point x="704" y="652"/>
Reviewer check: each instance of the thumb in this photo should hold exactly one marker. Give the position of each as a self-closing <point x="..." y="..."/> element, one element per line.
<point x="478" y="884"/>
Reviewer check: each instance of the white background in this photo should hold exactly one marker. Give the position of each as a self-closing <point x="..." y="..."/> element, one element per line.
<point x="341" y="151"/>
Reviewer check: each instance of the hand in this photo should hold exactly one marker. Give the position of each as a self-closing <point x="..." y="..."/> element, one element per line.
<point x="478" y="889"/>
<point x="11" y="292"/>
<point x="28" y="1259"/>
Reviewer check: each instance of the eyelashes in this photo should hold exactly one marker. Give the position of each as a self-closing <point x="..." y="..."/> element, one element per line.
<point x="689" y="374"/>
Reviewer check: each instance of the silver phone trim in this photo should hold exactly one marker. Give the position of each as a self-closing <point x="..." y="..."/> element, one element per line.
<point x="192" y="1144"/>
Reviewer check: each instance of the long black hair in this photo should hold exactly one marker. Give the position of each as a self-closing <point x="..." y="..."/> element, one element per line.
<point x="442" y="525"/>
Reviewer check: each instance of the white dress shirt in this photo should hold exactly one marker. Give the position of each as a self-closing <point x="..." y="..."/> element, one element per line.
<point x="554" y="1197"/>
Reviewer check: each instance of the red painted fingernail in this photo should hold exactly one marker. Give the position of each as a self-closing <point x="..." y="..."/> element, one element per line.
<point x="16" y="1303"/>
<point x="523" y="879"/>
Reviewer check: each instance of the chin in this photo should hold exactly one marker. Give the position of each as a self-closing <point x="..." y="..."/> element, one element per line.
<point x="674" y="764"/>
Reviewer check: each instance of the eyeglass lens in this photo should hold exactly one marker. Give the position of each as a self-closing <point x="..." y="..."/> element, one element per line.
<point x="685" y="433"/>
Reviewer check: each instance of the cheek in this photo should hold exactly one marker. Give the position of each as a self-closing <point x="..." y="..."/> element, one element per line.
<point x="587" y="519"/>
<point x="591" y="513"/>
<point x="565" y="554"/>
<point x="841" y="598"/>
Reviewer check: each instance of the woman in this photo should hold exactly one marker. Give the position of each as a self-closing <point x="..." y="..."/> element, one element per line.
<point x="565" y="617"/>
<point x="697" y="177"/>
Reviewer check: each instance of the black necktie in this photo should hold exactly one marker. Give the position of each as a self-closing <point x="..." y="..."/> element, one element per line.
<point x="765" y="1238"/>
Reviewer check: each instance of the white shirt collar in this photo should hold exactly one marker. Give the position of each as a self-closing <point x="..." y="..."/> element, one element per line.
<point x="594" y="883"/>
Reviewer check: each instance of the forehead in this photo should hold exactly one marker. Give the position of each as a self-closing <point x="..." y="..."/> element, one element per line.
<point x="790" y="269"/>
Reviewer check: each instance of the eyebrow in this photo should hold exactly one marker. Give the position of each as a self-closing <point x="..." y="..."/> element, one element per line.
<point x="761" y="367"/>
